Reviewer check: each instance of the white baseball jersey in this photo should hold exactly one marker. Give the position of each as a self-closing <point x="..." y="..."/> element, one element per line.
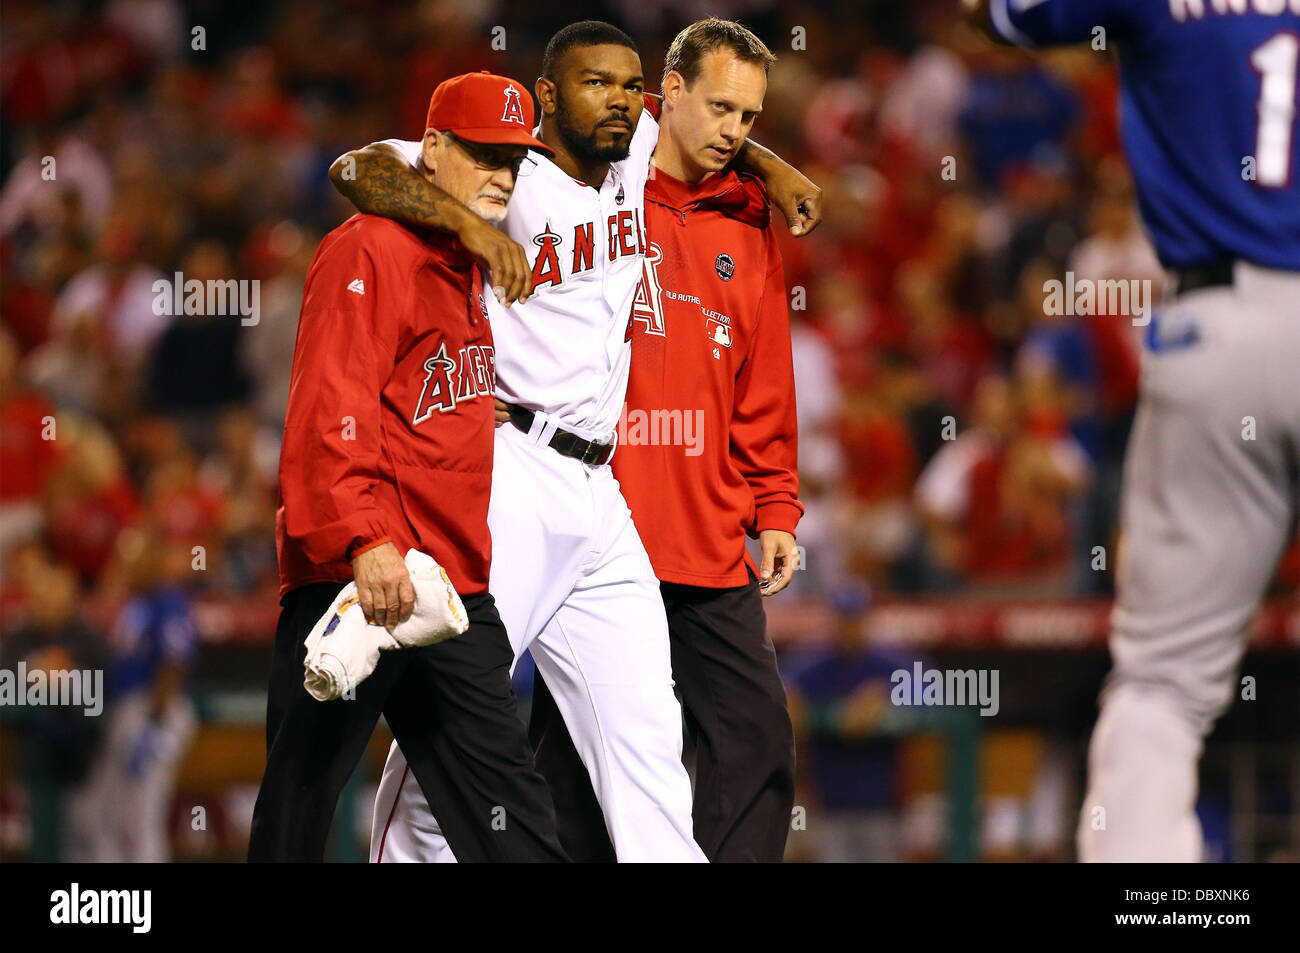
<point x="571" y="579"/>
<point x="565" y="351"/>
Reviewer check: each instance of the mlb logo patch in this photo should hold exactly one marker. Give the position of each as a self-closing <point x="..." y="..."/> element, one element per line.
<point x="717" y="332"/>
<point x="725" y="266"/>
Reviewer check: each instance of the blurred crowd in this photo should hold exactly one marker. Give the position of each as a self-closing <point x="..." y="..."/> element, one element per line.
<point x="955" y="437"/>
<point x="953" y="434"/>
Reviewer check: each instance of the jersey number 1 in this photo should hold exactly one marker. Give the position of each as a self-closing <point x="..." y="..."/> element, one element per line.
<point x="1275" y="61"/>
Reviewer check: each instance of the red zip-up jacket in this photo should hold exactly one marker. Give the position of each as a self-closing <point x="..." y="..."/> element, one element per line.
<point x="388" y="435"/>
<point x="708" y="449"/>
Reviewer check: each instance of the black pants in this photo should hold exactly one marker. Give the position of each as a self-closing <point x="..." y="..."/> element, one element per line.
<point x="736" y="716"/>
<point x="451" y="709"/>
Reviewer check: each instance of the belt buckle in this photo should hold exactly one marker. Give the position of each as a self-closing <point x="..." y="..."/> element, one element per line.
<point x="591" y="456"/>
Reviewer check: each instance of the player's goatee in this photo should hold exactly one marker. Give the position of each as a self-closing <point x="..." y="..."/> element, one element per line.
<point x="582" y="145"/>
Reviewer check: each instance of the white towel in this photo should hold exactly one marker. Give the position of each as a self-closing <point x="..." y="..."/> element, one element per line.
<point x="343" y="648"/>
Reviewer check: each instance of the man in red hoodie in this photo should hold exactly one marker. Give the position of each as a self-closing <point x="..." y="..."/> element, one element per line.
<point x="388" y="446"/>
<point x="708" y="456"/>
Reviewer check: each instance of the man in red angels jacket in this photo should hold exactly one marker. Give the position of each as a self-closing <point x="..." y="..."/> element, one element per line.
<point x="388" y="445"/>
<point x="707" y="456"/>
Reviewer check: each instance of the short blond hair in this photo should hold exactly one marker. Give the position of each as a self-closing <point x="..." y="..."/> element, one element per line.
<point x="702" y="37"/>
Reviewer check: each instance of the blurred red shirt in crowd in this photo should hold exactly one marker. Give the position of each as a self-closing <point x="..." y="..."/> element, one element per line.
<point x="82" y="522"/>
<point x="26" y="457"/>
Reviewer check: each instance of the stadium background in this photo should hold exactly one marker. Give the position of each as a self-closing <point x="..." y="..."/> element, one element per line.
<point x="960" y="449"/>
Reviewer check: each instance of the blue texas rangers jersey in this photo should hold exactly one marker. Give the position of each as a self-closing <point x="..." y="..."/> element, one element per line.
<point x="1208" y="115"/>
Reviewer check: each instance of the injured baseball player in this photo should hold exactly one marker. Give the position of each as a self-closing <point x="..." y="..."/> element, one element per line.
<point x="572" y="578"/>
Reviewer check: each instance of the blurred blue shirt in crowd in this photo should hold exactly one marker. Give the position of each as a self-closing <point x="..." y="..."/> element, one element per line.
<point x="153" y="629"/>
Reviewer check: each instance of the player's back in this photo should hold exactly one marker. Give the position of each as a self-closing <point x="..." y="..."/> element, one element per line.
<point x="1208" y="114"/>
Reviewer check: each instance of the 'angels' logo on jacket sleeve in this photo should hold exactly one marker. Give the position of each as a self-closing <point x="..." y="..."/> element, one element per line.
<point x="451" y="381"/>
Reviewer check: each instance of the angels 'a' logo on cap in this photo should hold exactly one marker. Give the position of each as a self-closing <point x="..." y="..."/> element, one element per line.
<point x="514" y="111"/>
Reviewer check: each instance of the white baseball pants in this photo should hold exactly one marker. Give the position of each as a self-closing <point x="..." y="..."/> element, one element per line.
<point x="573" y="584"/>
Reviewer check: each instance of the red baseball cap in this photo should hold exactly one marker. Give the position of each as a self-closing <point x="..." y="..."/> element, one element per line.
<point x="484" y="107"/>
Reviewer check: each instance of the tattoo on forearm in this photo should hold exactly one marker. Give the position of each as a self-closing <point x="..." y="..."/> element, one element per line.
<point x="388" y="186"/>
<point x="751" y="155"/>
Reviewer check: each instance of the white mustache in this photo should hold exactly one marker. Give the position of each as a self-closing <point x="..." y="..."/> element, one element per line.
<point x="497" y="194"/>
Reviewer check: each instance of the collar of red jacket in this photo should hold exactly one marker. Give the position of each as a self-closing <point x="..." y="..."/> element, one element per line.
<point x="735" y="194"/>
<point x="442" y="245"/>
<point x="449" y="249"/>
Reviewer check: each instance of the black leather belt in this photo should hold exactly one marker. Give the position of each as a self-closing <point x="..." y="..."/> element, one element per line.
<point x="1209" y="275"/>
<point x="566" y="442"/>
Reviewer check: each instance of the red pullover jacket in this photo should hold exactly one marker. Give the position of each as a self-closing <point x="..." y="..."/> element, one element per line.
<point x="708" y="451"/>
<point x="389" y="428"/>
